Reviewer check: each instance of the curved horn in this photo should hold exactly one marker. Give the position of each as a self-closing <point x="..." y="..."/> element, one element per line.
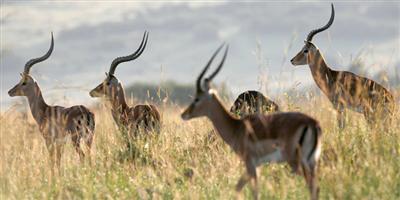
<point x="33" y="61"/>
<point x="219" y="66"/>
<point x="130" y="57"/>
<point x="313" y="32"/>
<point x="198" y="82"/>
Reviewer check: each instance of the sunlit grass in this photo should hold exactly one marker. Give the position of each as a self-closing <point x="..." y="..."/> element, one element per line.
<point x="189" y="161"/>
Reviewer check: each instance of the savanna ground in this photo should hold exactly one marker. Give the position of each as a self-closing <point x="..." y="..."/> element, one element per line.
<point x="189" y="161"/>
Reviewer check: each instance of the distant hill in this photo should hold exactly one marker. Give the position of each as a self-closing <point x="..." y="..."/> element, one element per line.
<point x="168" y="92"/>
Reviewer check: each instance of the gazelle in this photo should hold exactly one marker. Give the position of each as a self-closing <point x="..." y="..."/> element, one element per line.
<point x="252" y="102"/>
<point x="294" y="138"/>
<point x="55" y="122"/>
<point x="344" y="89"/>
<point x="127" y="118"/>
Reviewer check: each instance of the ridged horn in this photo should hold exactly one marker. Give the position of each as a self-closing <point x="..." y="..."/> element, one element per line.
<point x="130" y="57"/>
<point x="315" y="31"/>
<point x="198" y="82"/>
<point x="219" y="66"/>
<point x="33" y="61"/>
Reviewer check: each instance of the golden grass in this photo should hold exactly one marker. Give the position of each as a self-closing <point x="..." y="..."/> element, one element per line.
<point x="188" y="161"/>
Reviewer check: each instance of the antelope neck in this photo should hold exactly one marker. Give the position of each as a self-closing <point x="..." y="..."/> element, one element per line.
<point x="37" y="104"/>
<point x="226" y="125"/>
<point x="118" y="101"/>
<point x="320" y="71"/>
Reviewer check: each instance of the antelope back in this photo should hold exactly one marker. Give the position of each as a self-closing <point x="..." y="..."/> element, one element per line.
<point x="251" y="102"/>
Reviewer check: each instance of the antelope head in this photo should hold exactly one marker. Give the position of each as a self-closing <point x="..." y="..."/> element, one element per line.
<point x="204" y="94"/>
<point x="28" y="84"/>
<point x="309" y="49"/>
<point x="111" y="86"/>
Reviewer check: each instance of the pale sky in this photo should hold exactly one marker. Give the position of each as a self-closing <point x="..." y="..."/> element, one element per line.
<point x="89" y="35"/>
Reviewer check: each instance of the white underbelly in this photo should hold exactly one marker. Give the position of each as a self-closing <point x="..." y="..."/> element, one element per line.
<point x="273" y="157"/>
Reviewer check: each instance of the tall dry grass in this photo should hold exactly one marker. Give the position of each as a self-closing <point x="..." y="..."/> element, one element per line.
<point x="188" y="161"/>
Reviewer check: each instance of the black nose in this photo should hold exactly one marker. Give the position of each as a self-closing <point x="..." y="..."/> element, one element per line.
<point x="291" y="60"/>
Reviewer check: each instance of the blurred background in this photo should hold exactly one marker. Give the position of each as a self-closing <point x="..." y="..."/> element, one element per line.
<point x="263" y="37"/>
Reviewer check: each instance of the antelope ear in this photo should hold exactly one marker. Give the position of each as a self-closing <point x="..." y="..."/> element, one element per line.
<point x="212" y="91"/>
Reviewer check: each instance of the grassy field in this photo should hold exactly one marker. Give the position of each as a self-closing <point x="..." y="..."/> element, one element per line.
<point x="189" y="161"/>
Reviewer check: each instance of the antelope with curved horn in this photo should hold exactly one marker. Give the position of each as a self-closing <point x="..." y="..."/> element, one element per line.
<point x="344" y="89"/>
<point x="253" y="102"/>
<point x="55" y="122"/>
<point x="127" y="118"/>
<point x="293" y="137"/>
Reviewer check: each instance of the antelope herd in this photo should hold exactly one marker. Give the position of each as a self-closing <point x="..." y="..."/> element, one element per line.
<point x="256" y="129"/>
<point x="289" y="137"/>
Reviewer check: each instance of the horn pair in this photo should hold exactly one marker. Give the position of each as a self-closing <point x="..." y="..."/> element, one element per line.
<point x="315" y="31"/>
<point x="114" y="63"/>
<point x="33" y="61"/>
<point x="130" y="57"/>
<point x="208" y="80"/>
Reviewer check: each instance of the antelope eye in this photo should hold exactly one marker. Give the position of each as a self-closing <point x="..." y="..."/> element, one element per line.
<point x="23" y="83"/>
<point x="196" y="100"/>
<point x="108" y="83"/>
<point x="305" y="51"/>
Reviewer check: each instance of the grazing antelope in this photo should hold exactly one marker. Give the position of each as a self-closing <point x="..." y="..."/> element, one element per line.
<point x="344" y="89"/>
<point x="55" y="122"/>
<point x="293" y="137"/>
<point x="252" y="102"/>
<point x="127" y="118"/>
